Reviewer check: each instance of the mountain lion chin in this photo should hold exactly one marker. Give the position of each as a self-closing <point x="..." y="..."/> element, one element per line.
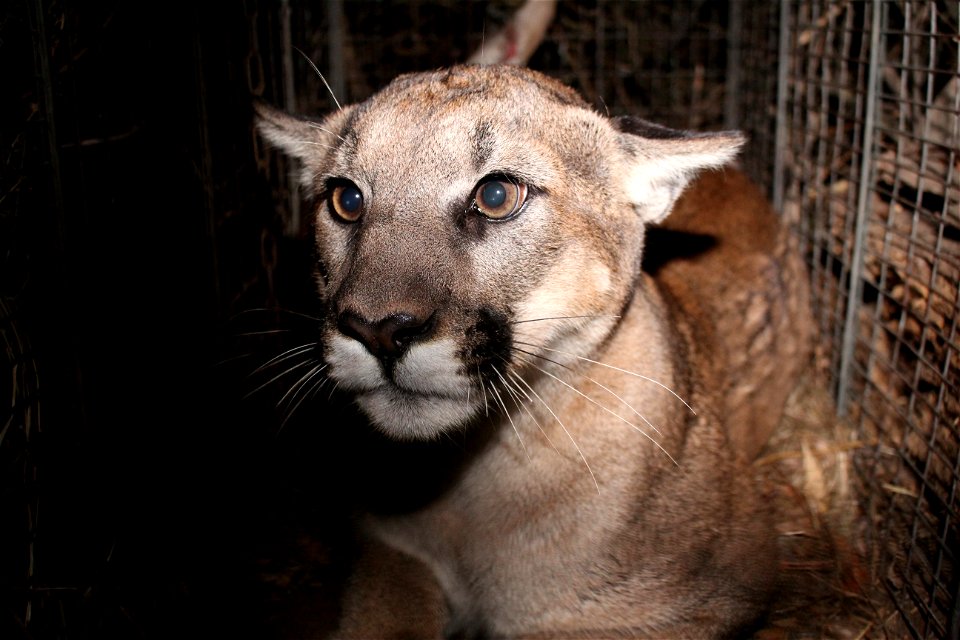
<point x="407" y="415"/>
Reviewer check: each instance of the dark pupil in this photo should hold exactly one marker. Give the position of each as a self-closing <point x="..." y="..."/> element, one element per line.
<point x="350" y="199"/>
<point x="493" y="195"/>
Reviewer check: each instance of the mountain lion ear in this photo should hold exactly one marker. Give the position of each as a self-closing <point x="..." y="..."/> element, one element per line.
<point x="308" y="141"/>
<point x="662" y="161"/>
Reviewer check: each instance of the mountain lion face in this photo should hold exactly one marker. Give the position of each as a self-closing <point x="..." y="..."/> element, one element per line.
<point x="478" y="228"/>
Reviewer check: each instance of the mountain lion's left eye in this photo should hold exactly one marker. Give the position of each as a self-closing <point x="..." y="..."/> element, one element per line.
<point x="347" y="202"/>
<point x="499" y="199"/>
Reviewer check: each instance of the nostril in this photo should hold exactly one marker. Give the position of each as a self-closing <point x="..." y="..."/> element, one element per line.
<point x="389" y="337"/>
<point x="353" y="326"/>
<point x="404" y="329"/>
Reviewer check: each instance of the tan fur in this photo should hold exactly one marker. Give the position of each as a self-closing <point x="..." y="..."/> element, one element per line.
<point x="586" y="500"/>
<point x="746" y="298"/>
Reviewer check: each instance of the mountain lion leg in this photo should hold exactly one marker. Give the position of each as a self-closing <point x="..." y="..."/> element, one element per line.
<point x="391" y="595"/>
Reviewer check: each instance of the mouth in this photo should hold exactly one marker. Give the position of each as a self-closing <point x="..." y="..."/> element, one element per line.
<point x="415" y="394"/>
<point x="423" y="394"/>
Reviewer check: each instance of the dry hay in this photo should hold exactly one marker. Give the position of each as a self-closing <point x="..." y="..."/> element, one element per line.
<point x="827" y="591"/>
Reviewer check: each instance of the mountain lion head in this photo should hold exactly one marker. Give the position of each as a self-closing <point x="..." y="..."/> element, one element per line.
<point x="472" y="223"/>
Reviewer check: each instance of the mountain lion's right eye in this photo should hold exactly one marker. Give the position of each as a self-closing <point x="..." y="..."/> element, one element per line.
<point x="346" y="201"/>
<point x="499" y="198"/>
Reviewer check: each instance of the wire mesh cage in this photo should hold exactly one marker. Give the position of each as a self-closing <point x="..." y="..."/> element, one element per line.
<point x="870" y="119"/>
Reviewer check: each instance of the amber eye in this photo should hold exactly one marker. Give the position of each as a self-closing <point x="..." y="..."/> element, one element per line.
<point x="499" y="199"/>
<point x="346" y="201"/>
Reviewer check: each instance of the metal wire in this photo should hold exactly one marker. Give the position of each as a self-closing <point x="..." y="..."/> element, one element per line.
<point x="871" y="167"/>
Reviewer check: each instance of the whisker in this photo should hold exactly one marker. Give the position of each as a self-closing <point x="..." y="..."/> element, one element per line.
<point x="506" y="411"/>
<point x="277" y="377"/>
<point x="562" y="426"/>
<point x="483" y="390"/>
<point x="225" y="361"/>
<point x="300" y="314"/>
<point x="602" y="315"/>
<point x="515" y="390"/>
<point x="624" y="403"/>
<point x="324" y="80"/>
<point x="333" y="390"/>
<point x="288" y="312"/>
<point x="317" y="144"/>
<point x="483" y="37"/>
<point x="596" y="382"/>
<point x="286" y="355"/>
<point x="311" y="393"/>
<point x="314" y="125"/>
<point x="613" y="413"/>
<point x="302" y="381"/>
<point x="265" y="332"/>
<point x="610" y="366"/>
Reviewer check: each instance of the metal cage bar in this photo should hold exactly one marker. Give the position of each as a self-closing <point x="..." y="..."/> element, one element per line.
<point x="869" y="117"/>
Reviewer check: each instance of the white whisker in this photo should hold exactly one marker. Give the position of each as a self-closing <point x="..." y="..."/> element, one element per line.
<point x="299" y="365"/>
<point x="264" y="332"/>
<point x="302" y="381"/>
<point x="483" y="38"/>
<point x="596" y="382"/>
<point x="483" y="389"/>
<point x="314" y="125"/>
<point x="624" y="403"/>
<point x="506" y="411"/>
<point x="333" y="390"/>
<point x="324" y="80"/>
<point x="288" y="312"/>
<point x="286" y="355"/>
<point x="610" y="366"/>
<point x="560" y="422"/>
<point x="311" y="393"/>
<point x="318" y="144"/>
<point x="611" y="412"/>
<point x="236" y="358"/>
<point x="602" y="315"/>
<point x="515" y="390"/>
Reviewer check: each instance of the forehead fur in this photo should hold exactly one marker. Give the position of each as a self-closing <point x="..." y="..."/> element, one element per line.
<point x="475" y="119"/>
<point x="458" y="83"/>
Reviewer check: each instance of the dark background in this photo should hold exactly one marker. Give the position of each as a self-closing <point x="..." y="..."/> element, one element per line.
<point x="139" y="489"/>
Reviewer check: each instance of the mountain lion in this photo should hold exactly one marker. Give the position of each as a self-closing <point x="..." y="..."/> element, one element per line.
<point x="583" y="429"/>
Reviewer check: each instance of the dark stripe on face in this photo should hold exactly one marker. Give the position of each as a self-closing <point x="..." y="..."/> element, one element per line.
<point x="482" y="139"/>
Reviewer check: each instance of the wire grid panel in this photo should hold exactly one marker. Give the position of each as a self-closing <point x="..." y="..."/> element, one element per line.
<point x="660" y="60"/>
<point x="752" y="84"/>
<point x="871" y="172"/>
